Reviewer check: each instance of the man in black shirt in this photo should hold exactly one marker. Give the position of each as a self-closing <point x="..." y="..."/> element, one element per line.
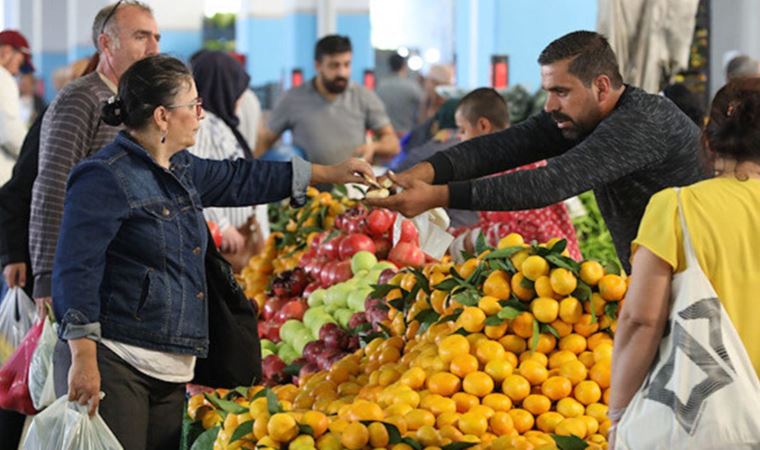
<point x="596" y="133"/>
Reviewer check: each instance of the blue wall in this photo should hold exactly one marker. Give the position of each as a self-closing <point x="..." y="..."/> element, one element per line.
<point x="523" y="29"/>
<point x="81" y="51"/>
<point x="181" y="43"/>
<point x="49" y="62"/>
<point x="276" y="45"/>
<point x="357" y="27"/>
<point x="305" y="32"/>
<point x="518" y="28"/>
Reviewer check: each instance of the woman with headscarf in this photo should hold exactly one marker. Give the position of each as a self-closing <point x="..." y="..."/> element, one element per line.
<point x="221" y="81"/>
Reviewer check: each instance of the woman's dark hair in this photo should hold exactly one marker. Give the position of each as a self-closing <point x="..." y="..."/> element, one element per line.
<point x="733" y="128"/>
<point x="149" y="83"/>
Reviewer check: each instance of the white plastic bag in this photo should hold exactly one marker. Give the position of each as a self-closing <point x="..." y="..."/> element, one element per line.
<point x="702" y="391"/>
<point x="16" y="317"/>
<point x="65" y="425"/>
<point x="41" y="381"/>
<point x="431" y="226"/>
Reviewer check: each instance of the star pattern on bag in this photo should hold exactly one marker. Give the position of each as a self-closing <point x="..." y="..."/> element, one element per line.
<point x="716" y="376"/>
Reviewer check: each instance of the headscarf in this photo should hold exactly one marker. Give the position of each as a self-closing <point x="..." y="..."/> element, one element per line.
<point x="221" y="80"/>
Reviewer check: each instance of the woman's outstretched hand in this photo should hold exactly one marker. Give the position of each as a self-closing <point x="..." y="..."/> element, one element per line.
<point x="352" y="170"/>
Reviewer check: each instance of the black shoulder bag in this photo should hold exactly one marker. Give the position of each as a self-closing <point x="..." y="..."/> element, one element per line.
<point x="234" y="353"/>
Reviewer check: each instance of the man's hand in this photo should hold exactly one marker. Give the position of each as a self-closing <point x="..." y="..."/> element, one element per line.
<point x="84" y="376"/>
<point x="423" y="171"/>
<point x="15" y="274"/>
<point x="365" y="152"/>
<point x="416" y="198"/>
<point x="232" y="240"/>
<point x="352" y="170"/>
<point x="42" y="303"/>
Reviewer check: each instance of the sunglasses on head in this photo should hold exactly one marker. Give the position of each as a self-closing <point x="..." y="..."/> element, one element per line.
<point x="110" y="14"/>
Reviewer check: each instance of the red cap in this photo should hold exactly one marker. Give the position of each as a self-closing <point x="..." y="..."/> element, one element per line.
<point x="19" y="42"/>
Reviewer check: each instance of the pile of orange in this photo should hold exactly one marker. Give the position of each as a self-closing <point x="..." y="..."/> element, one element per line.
<point x="524" y="355"/>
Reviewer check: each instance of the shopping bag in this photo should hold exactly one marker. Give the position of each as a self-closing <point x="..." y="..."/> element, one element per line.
<point x="232" y="329"/>
<point x="65" y="425"/>
<point x="41" y="381"/>
<point x="702" y="391"/>
<point x="14" y="375"/>
<point x="16" y="317"/>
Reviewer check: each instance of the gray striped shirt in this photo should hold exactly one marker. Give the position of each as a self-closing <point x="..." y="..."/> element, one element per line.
<point x="645" y="145"/>
<point x="71" y="131"/>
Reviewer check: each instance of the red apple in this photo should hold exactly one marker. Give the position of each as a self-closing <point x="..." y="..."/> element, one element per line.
<point x="342" y="272"/>
<point x="329" y="249"/>
<point x="409" y="232"/>
<point x="262" y="328"/>
<point x="382" y="247"/>
<point x="327" y="329"/>
<point x="293" y="309"/>
<point x="313" y="267"/>
<point x="273" y="334"/>
<point x="336" y="339"/>
<point x="379" y="221"/>
<point x="315" y="243"/>
<point x="311" y="287"/>
<point x="357" y="319"/>
<point x="406" y="254"/>
<point x="353" y="343"/>
<point x="325" y="359"/>
<point x="306" y="369"/>
<point x="313" y="349"/>
<point x="272" y="306"/>
<point x="385" y="276"/>
<point x="327" y="273"/>
<point x="271" y="366"/>
<point x="353" y="243"/>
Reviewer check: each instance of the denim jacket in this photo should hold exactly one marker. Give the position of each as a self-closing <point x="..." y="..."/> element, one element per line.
<point x="129" y="265"/>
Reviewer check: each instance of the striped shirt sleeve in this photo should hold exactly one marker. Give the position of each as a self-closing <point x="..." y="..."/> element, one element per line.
<point x="69" y="134"/>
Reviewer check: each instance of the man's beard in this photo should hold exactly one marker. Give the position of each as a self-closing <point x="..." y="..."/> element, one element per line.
<point x="574" y="132"/>
<point x="336" y="86"/>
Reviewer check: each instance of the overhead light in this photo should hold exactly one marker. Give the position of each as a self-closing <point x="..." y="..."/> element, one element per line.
<point x="403" y="51"/>
<point x="432" y="55"/>
<point x="415" y="63"/>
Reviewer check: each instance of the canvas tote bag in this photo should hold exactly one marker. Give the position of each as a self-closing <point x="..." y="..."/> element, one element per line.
<point x="702" y="391"/>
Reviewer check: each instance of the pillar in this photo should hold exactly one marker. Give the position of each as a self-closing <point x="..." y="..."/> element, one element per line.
<point x="81" y="14"/>
<point x="50" y="30"/>
<point x="732" y="28"/>
<point x="352" y="20"/>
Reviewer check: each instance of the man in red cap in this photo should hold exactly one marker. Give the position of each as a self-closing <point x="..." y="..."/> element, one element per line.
<point x="14" y="53"/>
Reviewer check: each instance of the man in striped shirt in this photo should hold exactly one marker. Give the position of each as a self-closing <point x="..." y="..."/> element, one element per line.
<point x="72" y="130"/>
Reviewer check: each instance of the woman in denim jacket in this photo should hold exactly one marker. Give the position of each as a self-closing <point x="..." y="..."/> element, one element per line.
<point x="128" y="282"/>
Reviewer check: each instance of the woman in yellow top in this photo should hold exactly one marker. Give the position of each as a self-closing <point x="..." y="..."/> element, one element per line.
<point x="723" y="217"/>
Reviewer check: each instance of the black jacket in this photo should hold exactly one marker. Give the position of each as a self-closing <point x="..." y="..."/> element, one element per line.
<point x="16" y="204"/>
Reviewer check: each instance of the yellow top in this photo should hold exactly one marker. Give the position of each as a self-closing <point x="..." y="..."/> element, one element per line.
<point x="723" y="216"/>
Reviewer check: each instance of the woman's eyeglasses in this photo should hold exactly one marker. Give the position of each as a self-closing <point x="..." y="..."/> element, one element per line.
<point x="197" y="104"/>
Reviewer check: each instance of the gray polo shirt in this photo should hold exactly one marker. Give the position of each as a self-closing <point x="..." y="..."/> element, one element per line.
<point x="328" y="131"/>
<point x="402" y="98"/>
